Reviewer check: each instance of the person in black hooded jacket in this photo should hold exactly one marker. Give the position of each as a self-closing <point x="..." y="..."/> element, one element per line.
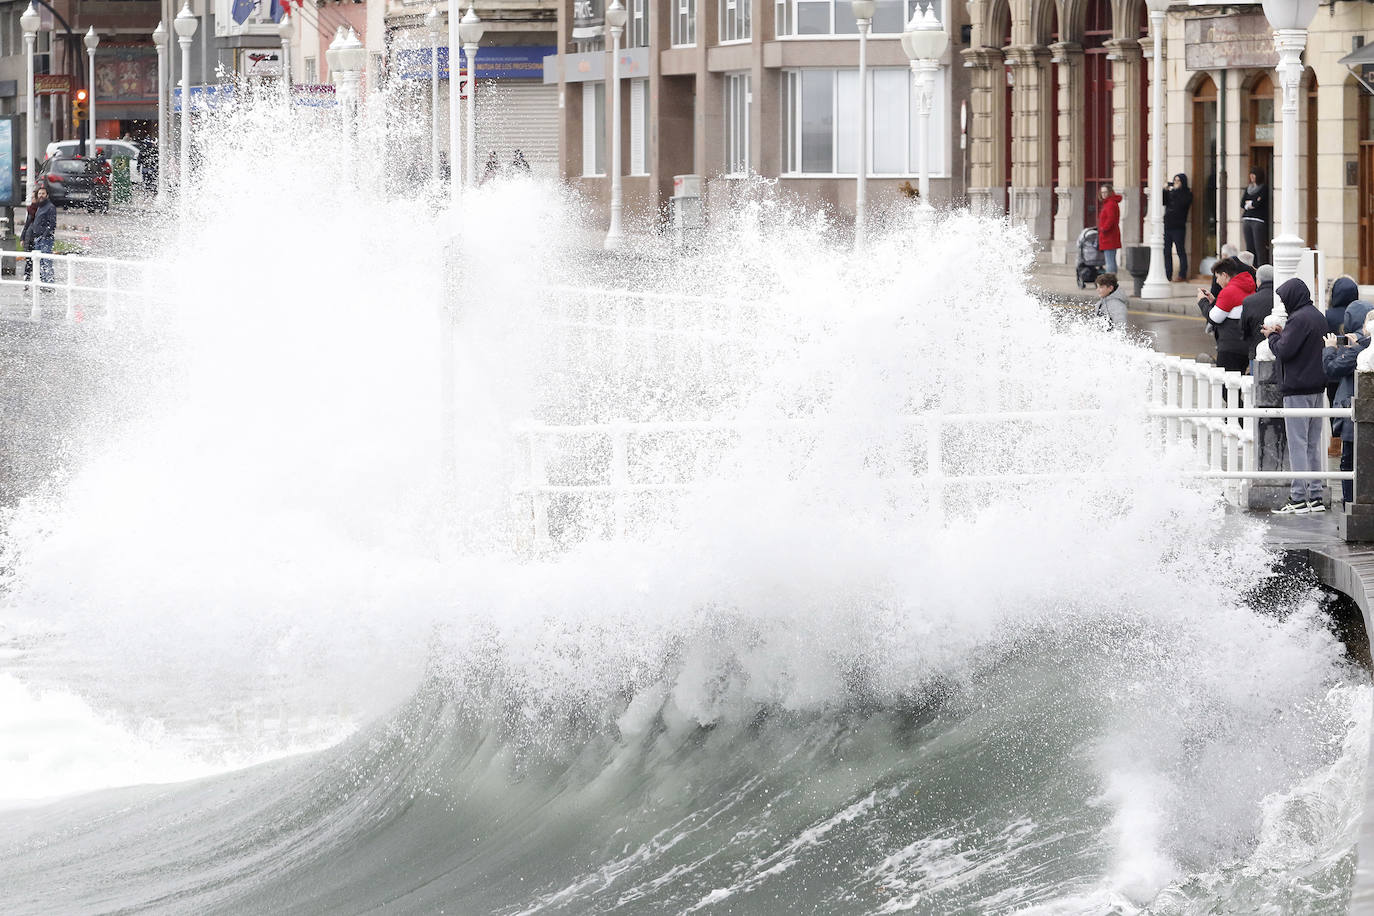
<point x="1343" y="293"/>
<point x="1297" y="346"/>
<point x="1177" y="201"/>
<point x="1254" y="216"/>
<point x="1255" y="308"/>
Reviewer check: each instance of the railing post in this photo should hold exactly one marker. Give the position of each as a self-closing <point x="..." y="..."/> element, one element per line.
<point x="539" y="479"/>
<point x="1172" y="380"/>
<point x="1271" y="441"/>
<point x="35" y="310"/>
<point x="620" y="473"/>
<point x="935" y="473"/>
<point x="1218" y="427"/>
<point x="1356" y="523"/>
<point x="71" y="288"/>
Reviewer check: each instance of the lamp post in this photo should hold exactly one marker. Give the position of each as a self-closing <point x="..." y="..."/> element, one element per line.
<point x="616" y="16"/>
<point x="185" y="25"/>
<point x="350" y="57"/>
<point x="863" y="17"/>
<point x="924" y="40"/>
<point x="471" y="29"/>
<point x="92" y="42"/>
<point x="1289" y="19"/>
<point x="29" y="22"/>
<point x="1156" y="284"/>
<point x="432" y="24"/>
<point x="284" y="29"/>
<point x="455" y="141"/>
<point x="160" y="40"/>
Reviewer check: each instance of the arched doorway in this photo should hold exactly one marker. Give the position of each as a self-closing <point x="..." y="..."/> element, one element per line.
<point x="1260" y="145"/>
<point x="1097" y="107"/>
<point x="1366" y="206"/>
<point x="1310" y="159"/>
<point x="1203" y="174"/>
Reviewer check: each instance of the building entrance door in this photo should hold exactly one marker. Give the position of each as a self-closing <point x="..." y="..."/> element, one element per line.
<point x="1097" y="108"/>
<point x="1366" y="206"/>
<point x="1202" y="228"/>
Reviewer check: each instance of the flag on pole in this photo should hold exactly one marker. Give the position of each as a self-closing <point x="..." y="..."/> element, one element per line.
<point x="279" y="8"/>
<point x="242" y="9"/>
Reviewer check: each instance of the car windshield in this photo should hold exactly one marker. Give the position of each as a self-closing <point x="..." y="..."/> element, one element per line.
<point x="69" y="166"/>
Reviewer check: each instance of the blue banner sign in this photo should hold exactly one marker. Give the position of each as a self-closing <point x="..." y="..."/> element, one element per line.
<point x="524" y="62"/>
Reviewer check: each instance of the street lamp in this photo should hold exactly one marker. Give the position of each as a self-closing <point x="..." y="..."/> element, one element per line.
<point x="471" y="29"/>
<point x="924" y="41"/>
<point x="160" y="40"/>
<point x="863" y="17"/>
<point x="1289" y="19"/>
<point x="455" y="143"/>
<point x="29" y="22"/>
<point x="185" y="25"/>
<point x="432" y="24"/>
<point x="616" y="16"/>
<point x="1156" y="284"/>
<point x="284" y="29"/>
<point x="351" y="57"/>
<point x="92" y="42"/>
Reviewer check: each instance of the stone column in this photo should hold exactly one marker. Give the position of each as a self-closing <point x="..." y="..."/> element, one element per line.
<point x="1032" y="135"/>
<point x="1128" y="125"/>
<point x="986" y="117"/>
<point x="1068" y="219"/>
<point x="1271" y="441"/>
<point x="1356" y="523"/>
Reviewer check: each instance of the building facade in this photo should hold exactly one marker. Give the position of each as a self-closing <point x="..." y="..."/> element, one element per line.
<point x="1060" y="105"/>
<point x="732" y="89"/>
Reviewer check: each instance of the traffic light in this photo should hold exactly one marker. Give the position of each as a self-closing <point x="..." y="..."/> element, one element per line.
<point x="78" y="107"/>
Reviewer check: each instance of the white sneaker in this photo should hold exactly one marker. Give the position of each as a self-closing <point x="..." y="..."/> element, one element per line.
<point x="1294" y="507"/>
<point x="1315" y="505"/>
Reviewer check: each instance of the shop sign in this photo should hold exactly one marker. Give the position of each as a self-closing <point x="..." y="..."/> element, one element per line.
<point x="1236" y="42"/>
<point x="52" y="84"/>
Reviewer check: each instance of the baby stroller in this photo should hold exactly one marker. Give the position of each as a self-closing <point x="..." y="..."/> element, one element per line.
<point x="1090" y="259"/>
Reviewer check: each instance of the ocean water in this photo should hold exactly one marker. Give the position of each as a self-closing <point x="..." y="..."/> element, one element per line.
<point x="269" y="645"/>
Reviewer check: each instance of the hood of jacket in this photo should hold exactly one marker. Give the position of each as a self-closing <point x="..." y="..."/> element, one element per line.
<point x="1182" y="180"/>
<point x="1355" y="315"/>
<point x="1343" y="292"/>
<point x="1294" y="295"/>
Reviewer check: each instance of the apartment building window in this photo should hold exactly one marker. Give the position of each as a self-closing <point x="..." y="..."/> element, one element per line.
<point x="735" y="20"/>
<point x="737" y="99"/>
<point x="639" y="127"/>
<point x="820" y="120"/>
<point x="594" y="129"/>
<point x="684" y="24"/>
<point x="638" y="32"/>
<point x="836" y="17"/>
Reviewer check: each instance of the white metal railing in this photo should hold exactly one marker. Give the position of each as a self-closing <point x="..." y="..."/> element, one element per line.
<point x="79" y="285"/>
<point x="639" y="329"/>
<point x="1199" y="409"/>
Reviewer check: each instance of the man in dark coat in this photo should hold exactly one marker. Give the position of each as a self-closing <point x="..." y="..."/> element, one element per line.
<point x="1254" y="216"/>
<point x="44" y="232"/>
<point x="1177" y="201"/>
<point x="1343" y="293"/>
<point x="1297" y="346"/>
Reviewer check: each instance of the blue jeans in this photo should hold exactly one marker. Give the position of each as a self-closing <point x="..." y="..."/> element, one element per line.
<point x="45" y="264"/>
<point x="1306" y="450"/>
<point x="1173" y="239"/>
<point x="1110" y="255"/>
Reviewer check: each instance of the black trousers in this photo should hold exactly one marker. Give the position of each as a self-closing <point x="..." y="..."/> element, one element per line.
<point x="1257" y="239"/>
<point x="1174" y="238"/>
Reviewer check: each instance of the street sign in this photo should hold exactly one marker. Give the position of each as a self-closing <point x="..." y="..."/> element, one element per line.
<point x="52" y="84"/>
<point x="1237" y="41"/>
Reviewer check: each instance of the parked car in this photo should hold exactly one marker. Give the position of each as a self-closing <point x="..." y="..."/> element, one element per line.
<point x="77" y="183"/>
<point x="69" y="149"/>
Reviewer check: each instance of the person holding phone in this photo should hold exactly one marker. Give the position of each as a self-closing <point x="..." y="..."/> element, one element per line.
<point x="1254" y="215"/>
<point x="1339" y="356"/>
<point x="1223" y="313"/>
<point x="1177" y="201"/>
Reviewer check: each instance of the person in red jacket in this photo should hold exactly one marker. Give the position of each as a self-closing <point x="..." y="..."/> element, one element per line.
<point x="1109" y="226"/>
